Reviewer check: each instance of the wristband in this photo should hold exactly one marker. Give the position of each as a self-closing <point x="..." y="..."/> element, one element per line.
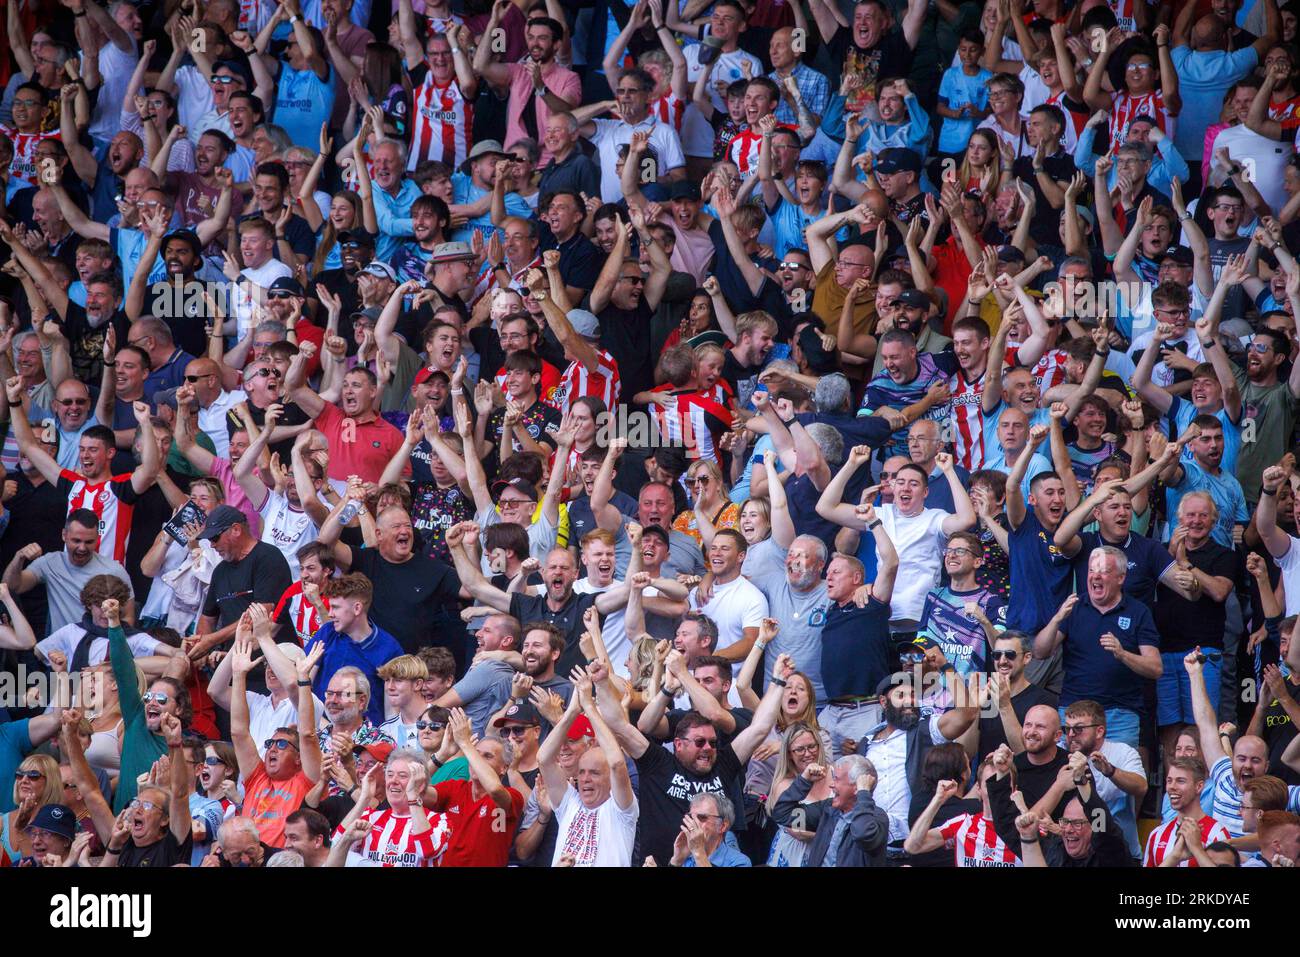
<point x="1103" y="352"/>
<point x="436" y="762"/>
<point x="353" y="790"/>
<point x="666" y="693"/>
<point x="1262" y="490"/>
<point x="1024" y="841"/>
<point x="109" y="850"/>
<point x="293" y="19"/>
<point x="1208" y="345"/>
<point x="16" y="405"/>
<point x="874" y="525"/>
<point x="779" y="682"/>
<point x="789" y="422"/>
<point x="303" y="684"/>
<point x="1185" y="217"/>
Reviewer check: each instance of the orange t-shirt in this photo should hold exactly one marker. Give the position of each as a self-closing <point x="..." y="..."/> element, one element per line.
<point x="269" y="802"/>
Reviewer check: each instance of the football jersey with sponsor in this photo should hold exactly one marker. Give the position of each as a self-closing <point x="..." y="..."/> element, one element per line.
<point x="968" y="419"/>
<point x="603" y="383"/>
<point x="976" y="844"/>
<point x="23" y="166"/>
<point x="442" y="122"/>
<point x="1125" y="108"/>
<point x="1161" y="838"/>
<point x="390" y="842"/>
<point x="301" y="614"/>
<point x="112" y="501"/>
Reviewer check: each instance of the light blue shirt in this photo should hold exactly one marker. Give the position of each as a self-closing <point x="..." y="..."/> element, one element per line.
<point x="1204" y="77"/>
<point x="1166" y="162"/>
<point x="1223" y="488"/>
<point x="959" y="89"/>
<point x="393" y="213"/>
<point x="303" y="101"/>
<point x="465" y="192"/>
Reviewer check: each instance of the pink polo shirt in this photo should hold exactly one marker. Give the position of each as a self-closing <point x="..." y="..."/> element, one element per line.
<point x="563" y="82"/>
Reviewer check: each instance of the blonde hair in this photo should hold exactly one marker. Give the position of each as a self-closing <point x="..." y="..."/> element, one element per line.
<point x="53" y="793"/>
<point x="785" y="763"/>
<point x="404" y="668"/>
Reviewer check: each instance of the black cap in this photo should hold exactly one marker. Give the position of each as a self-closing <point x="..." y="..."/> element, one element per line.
<point x="286" y="282"/>
<point x="658" y="531"/>
<point x="221" y="519"/>
<point x="1179" y="254"/>
<point x="682" y="189"/>
<point x="914" y="298"/>
<point x="358" y="237"/>
<point x="519" y="713"/>
<point x="187" y="236"/>
<point x="1010" y="254"/>
<point x="898" y="159"/>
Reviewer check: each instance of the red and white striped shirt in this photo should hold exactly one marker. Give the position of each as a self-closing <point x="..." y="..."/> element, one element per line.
<point x="670" y="108"/>
<point x="301" y="613"/>
<point x="1049" y="371"/>
<point x="391" y="844"/>
<point x="442" y="123"/>
<point x="1125" y="107"/>
<point x="696" y="422"/>
<point x="976" y="844"/>
<point x="578" y="382"/>
<point x="23" y="167"/>
<point x="1161" y="838"/>
<point x="112" y="501"/>
<point x="745" y="146"/>
<point x="1124" y="13"/>
<point x="967" y="419"/>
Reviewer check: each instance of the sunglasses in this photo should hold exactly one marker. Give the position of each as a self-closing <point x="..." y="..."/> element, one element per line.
<point x="1073" y="729"/>
<point x="223" y="80"/>
<point x="279" y="294"/>
<point x="29" y="775"/>
<point x="195" y="378"/>
<point x="155" y="696"/>
<point x="703" y="742"/>
<point x="1009" y="655"/>
<point x="279" y="744"/>
<point x="430" y="725"/>
<point x="516" y="732"/>
<point x="266" y="374"/>
<point x="213" y="762"/>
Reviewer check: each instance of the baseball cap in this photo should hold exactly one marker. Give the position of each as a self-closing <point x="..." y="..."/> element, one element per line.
<point x="519" y="713"/>
<point x="356" y="237"/>
<point x="372" y="313"/>
<point x="1179" y="254"/>
<point x="898" y="159"/>
<point x="656" y="531"/>
<point x="221" y="519"/>
<point x="381" y="269"/>
<point x="286" y="283"/>
<point x="584" y="323"/>
<point x="914" y="298"/>
<point x="684" y="190"/>
<point x="187" y="236"/>
<point x="518" y="484"/>
<point x="581" y="728"/>
<point x="710" y="50"/>
<point x="1010" y="254"/>
<point x="379" y="750"/>
<point x="424" y="375"/>
<point x="57" y="819"/>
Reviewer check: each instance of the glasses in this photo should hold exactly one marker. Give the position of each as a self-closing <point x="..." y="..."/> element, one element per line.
<point x="634" y="280"/>
<point x="266" y="374"/>
<point x="430" y="725"/>
<point x="1073" y="729"/>
<point x="1260" y="347"/>
<point x="703" y="742"/>
<point x="74" y="401"/>
<point x="958" y="550"/>
<point x="1074" y="823"/>
<point x="514" y="502"/>
<point x="28" y="104"/>
<point x="793" y="266"/>
<point x="1139" y="67"/>
<point x="29" y="775"/>
<point x="340" y="695"/>
<point x="705" y="818"/>
<point x="1009" y="655"/>
<point x="279" y="744"/>
<point x="222" y="80"/>
<point x="195" y="378"/>
<point x="1174" y="312"/>
<point x="145" y="805"/>
<point x="518" y="731"/>
<point x="279" y="294"/>
<point x="805" y="749"/>
<point x="698" y="480"/>
<point x="213" y="762"/>
<point x="150" y="697"/>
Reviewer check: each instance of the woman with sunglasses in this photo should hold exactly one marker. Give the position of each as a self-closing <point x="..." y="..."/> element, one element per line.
<point x="216" y="796"/>
<point x="156" y="107"/>
<point x="801" y="745"/>
<point x="523" y="173"/>
<point x="711" y="508"/>
<point x="36" y="784"/>
<point x="446" y="763"/>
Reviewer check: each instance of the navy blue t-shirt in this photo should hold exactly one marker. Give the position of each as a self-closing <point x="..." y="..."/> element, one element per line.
<point x="857" y="651"/>
<point x="1147" y="561"/>
<point x="1040" y="576"/>
<point x="1093" y="672"/>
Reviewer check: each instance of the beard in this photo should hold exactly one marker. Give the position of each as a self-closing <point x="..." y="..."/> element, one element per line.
<point x="903" y="718"/>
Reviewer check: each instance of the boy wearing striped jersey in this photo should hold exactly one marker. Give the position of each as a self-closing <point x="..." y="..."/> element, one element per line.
<point x="1228" y="771"/>
<point x="111" y="497"/>
<point x="402" y="835"/>
<point x="971" y="837"/>
<point x="591" y="370"/>
<point x="1183" y="782"/>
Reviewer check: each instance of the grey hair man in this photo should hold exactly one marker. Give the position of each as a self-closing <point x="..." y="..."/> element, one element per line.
<point x="859" y="841"/>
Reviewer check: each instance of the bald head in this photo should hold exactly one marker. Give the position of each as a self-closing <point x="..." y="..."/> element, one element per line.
<point x="1209" y="33"/>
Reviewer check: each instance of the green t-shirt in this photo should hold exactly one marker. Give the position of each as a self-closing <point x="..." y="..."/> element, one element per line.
<point x="140" y="746"/>
<point x="457" y="769"/>
<point x="1268" y="416"/>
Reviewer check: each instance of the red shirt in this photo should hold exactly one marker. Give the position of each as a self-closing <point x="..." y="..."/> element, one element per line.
<point x="481" y="832"/>
<point x="358" y="448"/>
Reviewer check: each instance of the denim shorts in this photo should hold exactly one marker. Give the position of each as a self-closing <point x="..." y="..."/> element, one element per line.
<point x="1174" y="691"/>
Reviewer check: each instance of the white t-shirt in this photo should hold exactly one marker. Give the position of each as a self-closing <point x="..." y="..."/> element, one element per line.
<point x="1290" y="565"/>
<point x="286" y="527"/>
<point x="611" y="134"/>
<point x="194" y="99"/>
<point x="1268" y="157"/>
<point x="728" y="67"/>
<point x="212" y="421"/>
<point x="242" y="301"/>
<point x="264" y="717"/>
<point x="734" y="607"/>
<point x="1162" y="375"/>
<point x="919" y="541"/>
<point x="599" y="837"/>
<point x="67" y="637"/>
<point x="115" y="69"/>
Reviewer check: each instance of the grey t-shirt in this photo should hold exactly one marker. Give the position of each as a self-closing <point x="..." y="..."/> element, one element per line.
<point x="684" y="555"/>
<point x="63" y="583"/>
<point x="483" y="691"/>
<point x="801" y="614"/>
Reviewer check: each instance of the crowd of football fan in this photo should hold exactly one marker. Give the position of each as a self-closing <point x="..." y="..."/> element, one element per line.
<point x="689" y="433"/>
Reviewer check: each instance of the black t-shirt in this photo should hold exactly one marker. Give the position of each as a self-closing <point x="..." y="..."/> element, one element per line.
<point x="293" y="415"/>
<point x="417" y="602"/>
<point x="1185" y="624"/>
<point x="86" y="344"/>
<point x="991" y="734"/>
<point x="665" y="793"/>
<point x="1035" y="780"/>
<point x="1045" y="227"/>
<point x="890" y="57"/>
<point x="150" y="513"/>
<point x="1279" y="731"/>
<point x="568" y="619"/>
<point x="949" y="809"/>
<point x="340" y="284"/>
<point x="165" y="853"/>
<point x="262" y="576"/>
<point x="625" y="335"/>
<point x="183" y="308"/>
<point x="742" y="379"/>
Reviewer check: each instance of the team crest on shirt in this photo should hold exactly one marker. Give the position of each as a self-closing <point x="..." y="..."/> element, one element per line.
<point x="1125" y="622"/>
<point x="482" y="811"/>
